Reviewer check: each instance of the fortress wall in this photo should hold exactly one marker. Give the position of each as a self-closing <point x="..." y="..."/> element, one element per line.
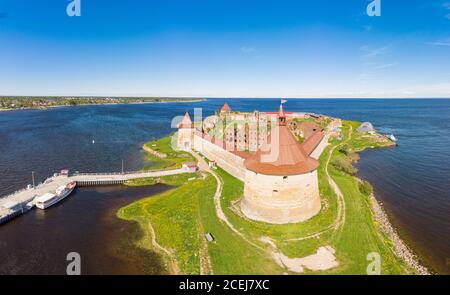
<point x="228" y="161"/>
<point x="320" y="148"/>
<point x="279" y="200"/>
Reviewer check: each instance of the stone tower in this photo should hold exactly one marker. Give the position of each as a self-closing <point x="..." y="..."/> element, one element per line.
<point x="281" y="184"/>
<point x="185" y="138"/>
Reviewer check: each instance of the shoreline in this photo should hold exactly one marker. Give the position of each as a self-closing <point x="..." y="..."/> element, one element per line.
<point x="400" y="248"/>
<point x="97" y="104"/>
<point x="385" y="227"/>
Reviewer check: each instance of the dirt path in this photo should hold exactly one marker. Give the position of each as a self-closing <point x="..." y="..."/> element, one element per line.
<point x="219" y="212"/>
<point x="340" y="219"/>
<point x="323" y="259"/>
<point x="205" y="260"/>
<point x="173" y="266"/>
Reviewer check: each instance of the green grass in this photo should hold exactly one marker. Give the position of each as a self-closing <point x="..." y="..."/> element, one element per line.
<point x="230" y="253"/>
<point x="360" y="235"/>
<point x="174" y="158"/>
<point x="362" y="141"/>
<point x="174" y="216"/>
<point x="184" y="214"/>
<point x="178" y="216"/>
<point x="233" y="191"/>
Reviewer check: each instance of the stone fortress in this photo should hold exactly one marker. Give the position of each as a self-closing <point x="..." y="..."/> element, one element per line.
<point x="259" y="148"/>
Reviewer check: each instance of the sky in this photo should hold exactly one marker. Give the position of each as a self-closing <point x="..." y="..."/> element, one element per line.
<point x="232" y="48"/>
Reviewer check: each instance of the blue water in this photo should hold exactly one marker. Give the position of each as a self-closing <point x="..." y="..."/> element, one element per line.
<point x="412" y="180"/>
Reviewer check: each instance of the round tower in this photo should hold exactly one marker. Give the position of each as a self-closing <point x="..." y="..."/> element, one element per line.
<point x="281" y="184"/>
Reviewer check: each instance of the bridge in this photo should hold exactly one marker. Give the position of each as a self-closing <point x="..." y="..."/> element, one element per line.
<point x="21" y="201"/>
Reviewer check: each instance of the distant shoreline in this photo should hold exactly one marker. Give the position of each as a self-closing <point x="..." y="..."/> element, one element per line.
<point x="105" y="103"/>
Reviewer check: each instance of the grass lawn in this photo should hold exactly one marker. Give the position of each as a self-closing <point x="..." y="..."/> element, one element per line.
<point x="174" y="216"/>
<point x="174" y="158"/>
<point x="182" y="215"/>
<point x="358" y="236"/>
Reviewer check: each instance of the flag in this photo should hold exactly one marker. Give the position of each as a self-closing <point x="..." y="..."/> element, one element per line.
<point x="283" y="101"/>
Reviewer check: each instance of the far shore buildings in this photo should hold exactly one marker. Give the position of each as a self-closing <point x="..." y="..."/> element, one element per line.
<point x="279" y="172"/>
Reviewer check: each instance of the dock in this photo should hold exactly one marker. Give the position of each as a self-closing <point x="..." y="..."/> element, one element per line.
<point x="21" y="201"/>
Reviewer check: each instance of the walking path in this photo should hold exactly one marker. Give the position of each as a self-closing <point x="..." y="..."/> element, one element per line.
<point x="340" y="218"/>
<point x="219" y="212"/>
<point x="322" y="260"/>
<point x="173" y="265"/>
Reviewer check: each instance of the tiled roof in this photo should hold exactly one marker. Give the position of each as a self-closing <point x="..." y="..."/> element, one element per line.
<point x="186" y="122"/>
<point x="225" y="108"/>
<point x="283" y="154"/>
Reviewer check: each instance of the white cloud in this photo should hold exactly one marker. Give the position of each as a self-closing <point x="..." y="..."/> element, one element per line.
<point x="384" y="66"/>
<point x="373" y="52"/>
<point x="445" y="42"/>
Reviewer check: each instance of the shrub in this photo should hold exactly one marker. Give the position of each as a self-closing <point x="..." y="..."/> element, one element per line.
<point x="344" y="165"/>
<point x="365" y="188"/>
<point x="345" y="149"/>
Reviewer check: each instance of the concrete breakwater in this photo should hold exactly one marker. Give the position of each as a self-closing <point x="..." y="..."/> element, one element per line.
<point x="22" y="201"/>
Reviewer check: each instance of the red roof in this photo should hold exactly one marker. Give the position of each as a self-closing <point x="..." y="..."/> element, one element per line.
<point x="186" y="122"/>
<point x="189" y="164"/>
<point x="312" y="141"/>
<point x="283" y="154"/>
<point x="225" y="108"/>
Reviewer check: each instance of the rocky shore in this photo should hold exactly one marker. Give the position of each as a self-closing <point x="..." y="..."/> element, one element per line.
<point x="399" y="246"/>
<point x="153" y="152"/>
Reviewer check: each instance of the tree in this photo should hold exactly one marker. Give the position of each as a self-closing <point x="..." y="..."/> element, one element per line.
<point x="344" y="165"/>
<point x="365" y="188"/>
<point x="345" y="149"/>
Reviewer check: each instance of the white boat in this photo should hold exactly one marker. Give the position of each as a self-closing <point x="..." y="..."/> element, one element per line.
<point x="50" y="199"/>
<point x="392" y="137"/>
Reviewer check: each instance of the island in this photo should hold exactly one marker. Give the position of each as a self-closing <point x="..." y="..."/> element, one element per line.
<point x="304" y="211"/>
<point x="44" y="102"/>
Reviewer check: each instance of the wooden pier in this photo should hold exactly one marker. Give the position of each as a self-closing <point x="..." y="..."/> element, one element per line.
<point x="21" y="201"/>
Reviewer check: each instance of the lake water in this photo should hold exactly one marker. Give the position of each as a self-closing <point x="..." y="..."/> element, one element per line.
<point x="412" y="180"/>
<point x="39" y="241"/>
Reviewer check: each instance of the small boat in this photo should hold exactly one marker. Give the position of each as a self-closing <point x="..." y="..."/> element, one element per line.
<point x="392" y="137"/>
<point x="50" y="199"/>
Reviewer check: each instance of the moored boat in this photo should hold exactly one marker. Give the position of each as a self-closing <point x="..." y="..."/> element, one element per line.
<point x="50" y="199"/>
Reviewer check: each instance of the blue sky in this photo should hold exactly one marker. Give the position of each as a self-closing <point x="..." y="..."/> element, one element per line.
<point x="230" y="48"/>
